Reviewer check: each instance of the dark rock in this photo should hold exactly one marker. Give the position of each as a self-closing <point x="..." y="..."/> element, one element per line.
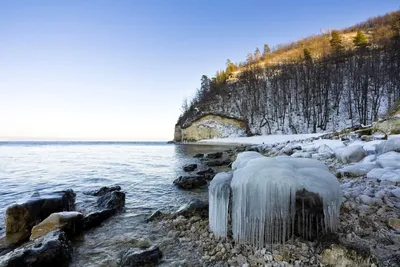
<point x="94" y="219"/>
<point x="199" y="155"/>
<point x="51" y="250"/>
<point x="189" y="167"/>
<point x="190" y="182"/>
<point x="104" y="190"/>
<point x="240" y="149"/>
<point x="216" y="163"/>
<point x="216" y="155"/>
<point x="194" y="207"/>
<point x="114" y="200"/>
<point x="208" y="174"/>
<point x="21" y="218"/>
<point x="11" y="241"/>
<point x="136" y="257"/>
<point x="155" y="216"/>
<point x="253" y="148"/>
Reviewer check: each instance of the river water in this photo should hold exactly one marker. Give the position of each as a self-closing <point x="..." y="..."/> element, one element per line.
<point x="144" y="170"/>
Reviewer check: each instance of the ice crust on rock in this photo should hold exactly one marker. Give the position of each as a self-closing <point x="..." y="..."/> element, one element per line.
<point x="388" y="174"/>
<point x="389" y="159"/>
<point x="219" y="197"/>
<point x="264" y="197"/>
<point x="353" y="153"/>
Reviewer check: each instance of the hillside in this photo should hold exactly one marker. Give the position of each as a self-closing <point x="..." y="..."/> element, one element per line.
<point x="324" y="82"/>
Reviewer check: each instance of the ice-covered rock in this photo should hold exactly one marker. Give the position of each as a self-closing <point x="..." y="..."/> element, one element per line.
<point x="325" y="152"/>
<point x="396" y="192"/>
<point x="219" y="197"/>
<point x="389" y="145"/>
<point x="389" y="159"/>
<point x="388" y="174"/>
<point x="301" y="155"/>
<point x="357" y="169"/>
<point x="352" y="154"/>
<point x="369" y="159"/>
<point x="264" y="196"/>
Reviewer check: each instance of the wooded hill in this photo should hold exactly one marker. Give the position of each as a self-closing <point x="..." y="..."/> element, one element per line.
<point x="324" y="82"/>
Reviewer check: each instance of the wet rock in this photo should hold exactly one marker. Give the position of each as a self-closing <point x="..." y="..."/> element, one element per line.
<point x="136" y="257"/>
<point x="199" y="155"/>
<point x="190" y="182"/>
<point x="194" y="207"/>
<point x="71" y="222"/>
<point x="253" y="148"/>
<point x="102" y="191"/>
<point x="189" y="167"/>
<point x="94" y="219"/>
<point x="155" y="216"/>
<point x="22" y="217"/>
<point x="216" y="155"/>
<point x="51" y="250"/>
<point x="343" y="256"/>
<point x="11" y="241"/>
<point x="208" y="174"/>
<point x="114" y="200"/>
<point x="216" y="163"/>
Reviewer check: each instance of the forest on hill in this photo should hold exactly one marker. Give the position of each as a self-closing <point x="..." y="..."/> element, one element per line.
<point x="324" y="82"/>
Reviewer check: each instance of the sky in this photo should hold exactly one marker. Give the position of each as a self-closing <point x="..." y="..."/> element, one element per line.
<point x="119" y="70"/>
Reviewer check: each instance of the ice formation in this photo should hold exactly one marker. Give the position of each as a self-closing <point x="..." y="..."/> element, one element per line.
<point x="264" y="198"/>
<point x="219" y="197"/>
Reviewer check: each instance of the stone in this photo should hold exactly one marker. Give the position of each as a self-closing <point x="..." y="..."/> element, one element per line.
<point x="102" y="191"/>
<point x="22" y="217"/>
<point x="194" y="207"/>
<point x="199" y="155"/>
<point x="216" y="155"/>
<point x="114" y="200"/>
<point x="394" y="223"/>
<point x="11" y="241"/>
<point x="208" y="174"/>
<point x="216" y="163"/>
<point x="387" y="146"/>
<point x="189" y="167"/>
<point x="136" y="257"/>
<point x="352" y="154"/>
<point x="52" y="249"/>
<point x="190" y="182"/>
<point x="342" y="256"/>
<point x="155" y="216"/>
<point x="94" y="219"/>
<point x="71" y="222"/>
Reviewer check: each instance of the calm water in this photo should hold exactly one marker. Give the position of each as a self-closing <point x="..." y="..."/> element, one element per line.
<point x="145" y="171"/>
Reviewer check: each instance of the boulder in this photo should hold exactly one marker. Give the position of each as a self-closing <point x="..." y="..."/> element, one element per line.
<point x="394" y="223"/>
<point x="104" y="190"/>
<point x="339" y="255"/>
<point x="11" y="241"/>
<point x="389" y="160"/>
<point x="155" y="216"/>
<point x="216" y="163"/>
<point x="94" y="219"/>
<point x="216" y="155"/>
<point x="208" y="174"/>
<point x="199" y="155"/>
<point x="357" y="169"/>
<point x="137" y="257"/>
<point x="388" y="145"/>
<point x="352" y="154"/>
<point x="71" y="222"/>
<point x="301" y="155"/>
<point x="114" y="200"/>
<point x="194" y="207"/>
<point x="190" y="182"/>
<point x="325" y="152"/>
<point x="52" y="249"/>
<point x="189" y="167"/>
<point x="22" y="217"/>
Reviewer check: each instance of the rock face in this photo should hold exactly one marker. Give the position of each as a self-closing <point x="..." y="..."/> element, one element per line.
<point x="210" y="126"/>
<point x="189" y="167"/>
<point x="136" y="257"/>
<point x="194" y="207"/>
<point x="190" y="182"/>
<point x="71" y="222"/>
<point x="22" y="217"/>
<point x="51" y="250"/>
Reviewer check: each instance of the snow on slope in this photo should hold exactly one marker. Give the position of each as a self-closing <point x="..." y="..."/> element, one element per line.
<point x="263" y="139"/>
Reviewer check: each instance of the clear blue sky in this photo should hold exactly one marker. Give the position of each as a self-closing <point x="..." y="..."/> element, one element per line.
<point x="119" y="70"/>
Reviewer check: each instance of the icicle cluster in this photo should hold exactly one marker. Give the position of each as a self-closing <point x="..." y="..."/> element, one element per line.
<point x="264" y="198"/>
<point x="219" y="198"/>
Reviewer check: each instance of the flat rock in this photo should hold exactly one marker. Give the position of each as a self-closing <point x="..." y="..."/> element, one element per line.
<point x="71" y="222"/>
<point x="52" y="249"/>
<point x="194" y="207"/>
<point x="137" y="257"/>
<point x="190" y="182"/>
<point x="114" y="200"/>
<point x="189" y="167"/>
<point x="22" y="217"/>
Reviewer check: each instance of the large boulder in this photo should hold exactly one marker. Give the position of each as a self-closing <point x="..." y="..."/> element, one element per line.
<point x="352" y="154"/>
<point x="53" y="249"/>
<point x="208" y="174"/>
<point x="22" y="217"/>
<point x="104" y="190"/>
<point x="137" y="257"/>
<point x="190" y="182"/>
<point x="71" y="222"/>
<point x="194" y="207"/>
<point x="94" y="219"/>
<point x="389" y="160"/>
<point x="389" y="145"/>
<point x="114" y="200"/>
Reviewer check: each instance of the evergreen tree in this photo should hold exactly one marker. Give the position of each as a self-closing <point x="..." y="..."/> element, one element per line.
<point x="249" y="58"/>
<point x="307" y="54"/>
<point x="267" y="50"/>
<point x="336" y="42"/>
<point x="360" y="40"/>
<point x="257" y="55"/>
